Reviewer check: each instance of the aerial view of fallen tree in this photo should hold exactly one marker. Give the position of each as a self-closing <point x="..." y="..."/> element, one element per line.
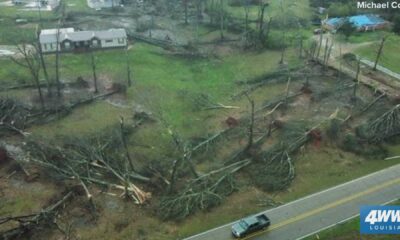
<point x="385" y="126"/>
<point x="20" y="225"/>
<point x="100" y="160"/>
<point x="201" y="193"/>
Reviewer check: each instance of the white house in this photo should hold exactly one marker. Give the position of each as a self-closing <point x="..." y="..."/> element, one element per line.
<point x="70" y="40"/>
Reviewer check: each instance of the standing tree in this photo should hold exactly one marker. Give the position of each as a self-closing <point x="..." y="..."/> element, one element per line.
<point x="246" y="7"/>
<point x="261" y="21"/>
<point x="221" y="18"/>
<point x="347" y="29"/>
<point x="31" y="60"/>
<point x="186" y="8"/>
<point x="60" y="23"/>
<point x="39" y="28"/>
<point x="43" y="63"/>
<point x="379" y="53"/>
<point x="284" y="25"/>
<point x="93" y="62"/>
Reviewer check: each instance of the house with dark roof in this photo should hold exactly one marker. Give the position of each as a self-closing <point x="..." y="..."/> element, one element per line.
<point x="67" y="39"/>
<point x="367" y="22"/>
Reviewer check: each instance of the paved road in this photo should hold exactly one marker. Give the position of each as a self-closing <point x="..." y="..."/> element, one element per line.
<point x="311" y="214"/>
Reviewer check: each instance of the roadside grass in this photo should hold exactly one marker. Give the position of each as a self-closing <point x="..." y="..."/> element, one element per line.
<point x="350" y="230"/>
<point x="390" y="57"/>
<point x="316" y="170"/>
<point x="246" y="201"/>
<point x="362" y="37"/>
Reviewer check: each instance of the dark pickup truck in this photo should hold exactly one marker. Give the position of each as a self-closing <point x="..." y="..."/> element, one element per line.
<point x="249" y="225"/>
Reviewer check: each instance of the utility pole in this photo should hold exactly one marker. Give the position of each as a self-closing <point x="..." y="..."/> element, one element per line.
<point x="379" y="53"/>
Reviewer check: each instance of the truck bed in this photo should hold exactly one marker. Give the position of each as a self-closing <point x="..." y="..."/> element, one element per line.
<point x="263" y="219"/>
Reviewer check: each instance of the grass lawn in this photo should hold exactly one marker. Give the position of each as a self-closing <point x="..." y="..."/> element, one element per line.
<point x="390" y="57"/>
<point x="166" y="82"/>
<point x="161" y="81"/>
<point x="170" y="84"/>
<point x="362" y="37"/>
<point x="350" y="230"/>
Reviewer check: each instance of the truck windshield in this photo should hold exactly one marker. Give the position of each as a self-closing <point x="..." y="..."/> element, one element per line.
<point x="243" y="224"/>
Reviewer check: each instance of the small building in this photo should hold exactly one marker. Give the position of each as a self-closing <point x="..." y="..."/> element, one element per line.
<point x="368" y="22"/>
<point x="69" y="40"/>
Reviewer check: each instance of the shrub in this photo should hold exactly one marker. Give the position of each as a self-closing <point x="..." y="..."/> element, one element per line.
<point x="350" y="57"/>
<point x="372" y="151"/>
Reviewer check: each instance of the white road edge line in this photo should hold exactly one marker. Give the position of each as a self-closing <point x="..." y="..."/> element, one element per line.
<point x="300" y="199"/>
<point x="338" y="223"/>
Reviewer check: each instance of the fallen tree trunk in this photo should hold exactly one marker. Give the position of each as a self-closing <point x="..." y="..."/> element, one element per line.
<point x="29" y="222"/>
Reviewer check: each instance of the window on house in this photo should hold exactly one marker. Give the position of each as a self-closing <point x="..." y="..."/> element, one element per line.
<point x="45" y="46"/>
<point x="121" y="40"/>
<point x="109" y="41"/>
<point x="67" y="45"/>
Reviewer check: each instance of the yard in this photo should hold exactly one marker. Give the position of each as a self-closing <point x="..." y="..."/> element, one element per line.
<point x="182" y="95"/>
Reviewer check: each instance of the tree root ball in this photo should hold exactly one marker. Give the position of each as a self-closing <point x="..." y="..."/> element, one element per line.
<point x="316" y="136"/>
<point x="396" y="99"/>
<point x="3" y="156"/>
<point x="231" y="122"/>
<point x="278" y="123"/>
<point x="306" y="89"/>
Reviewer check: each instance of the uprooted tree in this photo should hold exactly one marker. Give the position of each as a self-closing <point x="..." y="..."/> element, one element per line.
<point x="98" y="159"/>
<point x="201" y="193"/>
<point x="384" y="126"/>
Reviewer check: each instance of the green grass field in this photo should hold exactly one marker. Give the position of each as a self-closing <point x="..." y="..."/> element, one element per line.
<point x="390" y="57"/>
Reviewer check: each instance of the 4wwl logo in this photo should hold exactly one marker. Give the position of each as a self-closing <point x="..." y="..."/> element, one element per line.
<point x="380" y="220"/>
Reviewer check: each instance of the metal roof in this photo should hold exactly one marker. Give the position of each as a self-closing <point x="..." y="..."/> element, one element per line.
<point x="50" y="35"/>
<point x="358" y="21"/>
<point x="366" y="20"/>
